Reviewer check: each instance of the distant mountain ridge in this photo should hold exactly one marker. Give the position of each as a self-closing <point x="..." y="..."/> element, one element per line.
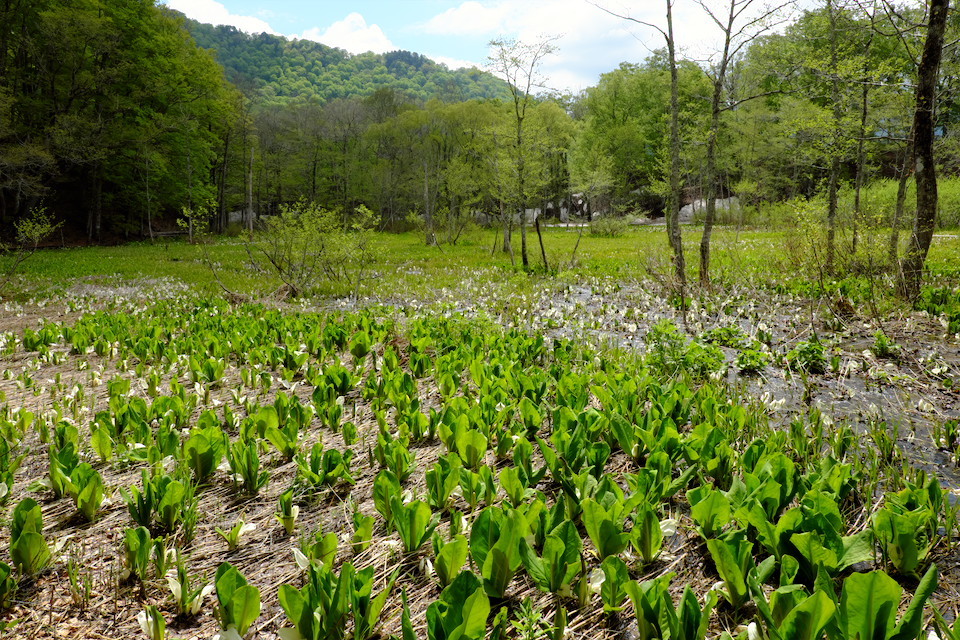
<point x="278" y="69"/>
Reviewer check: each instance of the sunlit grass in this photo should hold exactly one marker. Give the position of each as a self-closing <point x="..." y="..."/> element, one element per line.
<point x="404" y="264"/>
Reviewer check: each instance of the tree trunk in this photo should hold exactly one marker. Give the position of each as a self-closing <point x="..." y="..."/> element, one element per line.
<point x="925" y="167"/>
<point x="906" y="171"/>
<point x="543" y="252"/>
<point x="249" y="212"/>
<point x="861" y="154"/>
<point x="222" y="195"/>
<point x="834" y="176"/>
<point x="523" y="207"/>
<point x="673" y="198"/>
<point x="429" y="237"/>
<point x="710" y="164"/>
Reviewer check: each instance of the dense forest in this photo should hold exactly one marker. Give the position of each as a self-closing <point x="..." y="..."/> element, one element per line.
<point x="274" y="69"/>
<point x="117" y="117"/>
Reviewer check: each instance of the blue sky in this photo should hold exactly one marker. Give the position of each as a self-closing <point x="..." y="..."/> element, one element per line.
<point x="457" y="32"/>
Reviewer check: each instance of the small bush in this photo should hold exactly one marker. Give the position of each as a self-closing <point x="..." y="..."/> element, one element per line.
<point x="306" y="245"/>
<point x="809" y="356"/>
<point x="669" y="352"/>
<point x="730" y="336"/>
<point x="884" y="346"/>
<point x="611" y="227"/>
<point x="752" y="361"/>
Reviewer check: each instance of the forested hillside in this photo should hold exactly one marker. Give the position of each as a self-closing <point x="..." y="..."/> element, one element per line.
<point x="273" y="68"/>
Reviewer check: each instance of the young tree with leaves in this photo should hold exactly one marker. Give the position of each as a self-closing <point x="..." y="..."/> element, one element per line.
<point x="519" y="64"/>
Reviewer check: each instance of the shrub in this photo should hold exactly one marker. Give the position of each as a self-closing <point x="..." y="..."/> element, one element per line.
<point x="610" y="227"/>
<point x="305" y="245"/>
<point x="809" y="356"/>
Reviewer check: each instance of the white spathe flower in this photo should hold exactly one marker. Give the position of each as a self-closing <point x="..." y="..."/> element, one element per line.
<point x="302" y="560"/>
<point x="668" y="527"/>
<point x="595" y="580"/>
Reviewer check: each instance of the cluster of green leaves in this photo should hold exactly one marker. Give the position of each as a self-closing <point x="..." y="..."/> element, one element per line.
<point x="323" y="607"/>
<point x="769" y="504"/>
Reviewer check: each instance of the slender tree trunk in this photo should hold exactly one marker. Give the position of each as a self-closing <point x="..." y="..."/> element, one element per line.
<point x="924" y="162"/>
<point x="249" y="215"/>
<point x="673" y="198"/>
<point x="906" y="171"/>
<point x="149" y="203"/>
<point x="430" y="238"/>
<point x="543" y="252"/>
<point x="709" y="170"/>
<point x="523" y="206"/>
<point x="96" y="212"/>
<point x="834" y="176"/>
<point x="861" y="145"/>
<point x="222" y="196"/>
<point x="832" y="205"/>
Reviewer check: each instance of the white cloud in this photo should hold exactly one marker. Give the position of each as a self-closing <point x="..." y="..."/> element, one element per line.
<point x="352" y="34"/>
<point x="212" y="12"/>
<point x="471" y="17"/>
<point x="591" y="41"/>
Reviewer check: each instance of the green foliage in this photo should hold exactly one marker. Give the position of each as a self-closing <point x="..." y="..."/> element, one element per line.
<point x="244" y="459"/>
<point x="86" y="489"/>
<point x="204" y="450"/>
<point x="287" y="512"/>
<point x="657" y="617"/>
<point x="613" y="578"/>
<point x="808" y="356"/>
<point x="157" y="87"/>
<point x="319" y="547"/>
<point x="449" y="558"/>
<point x="495" y="547"/>
<point x="608" y="227"/>
<point x="413" y="521"/>
<point x="305" y="244"/>
<point x="461" y="611"/>
<point x="605" y="526"/>
<point x="869" y="604"/>
<point x="8" y="586"/>
<point x="312" y="70"/>
<point x="733" y="557"/>
<point x="442" y="479"/>
<point x="752" y="361"/>
<point x="239" y="602"/>
<point x="152" y="623"/>
<point x="560" y="562"/>
<point x="28" y="548"/>
<point x="187" y="600"/>
<point x="884" y="347"/>
<point x="322" y="607"/>
<point x="234" y="534"/>
<point x="137" y="552"/>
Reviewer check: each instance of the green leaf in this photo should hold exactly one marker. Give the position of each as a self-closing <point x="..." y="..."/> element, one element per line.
<point x="607" y="534"/>
<point x="30" y="553"/>
<point x="807" y="620"/>
<point x="911" y="623"/>
<point x="615" y="577"/>
<point x="868" y="606"/>
<point x="450" y="559"/>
